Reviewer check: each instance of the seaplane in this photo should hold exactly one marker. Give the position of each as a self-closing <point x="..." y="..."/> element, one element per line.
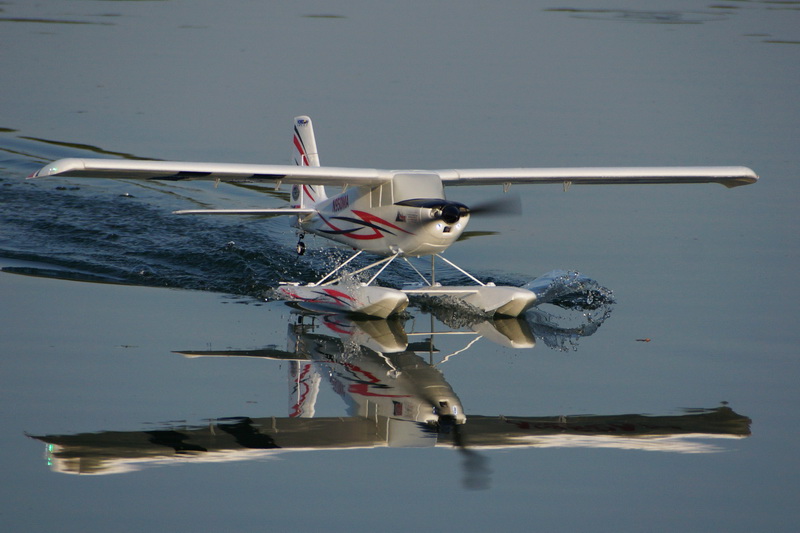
<point x="391" y="214"/>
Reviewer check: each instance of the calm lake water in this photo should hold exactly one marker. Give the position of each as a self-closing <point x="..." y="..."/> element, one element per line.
<point x="146" y="384"/>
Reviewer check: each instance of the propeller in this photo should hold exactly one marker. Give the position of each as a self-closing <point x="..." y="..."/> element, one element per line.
<point x="450" y="212"/>
<point x="477" y="474"/>
<point x="502" y="206"/>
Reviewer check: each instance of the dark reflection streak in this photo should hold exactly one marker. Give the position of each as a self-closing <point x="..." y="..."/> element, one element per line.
<point x="85" y="147"/>
<point x="51" y="21"/>
<point x="23" y="154"/>
<point x="642" y="17"/>
<point x="323" y="16"/>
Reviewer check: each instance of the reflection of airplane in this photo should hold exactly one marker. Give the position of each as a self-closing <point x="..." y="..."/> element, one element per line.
<point x="376" y="370"/>
<point x="395" y="398"/>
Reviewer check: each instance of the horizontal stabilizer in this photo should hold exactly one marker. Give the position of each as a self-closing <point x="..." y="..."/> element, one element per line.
<point x="273" y="212"/>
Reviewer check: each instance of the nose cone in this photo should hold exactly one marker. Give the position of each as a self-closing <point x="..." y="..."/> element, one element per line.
<point x="436" y="236"/>
<point x="450" y="214"/>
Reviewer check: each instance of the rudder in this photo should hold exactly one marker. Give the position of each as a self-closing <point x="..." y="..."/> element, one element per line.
<point x="304" y="154"/>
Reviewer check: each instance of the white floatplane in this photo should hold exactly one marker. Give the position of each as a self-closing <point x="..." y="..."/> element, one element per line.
<point x="389" y="213"/>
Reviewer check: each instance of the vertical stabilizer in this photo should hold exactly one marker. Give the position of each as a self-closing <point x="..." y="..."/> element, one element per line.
<point x="304" y="151"/>
<point x="304" y="154"/>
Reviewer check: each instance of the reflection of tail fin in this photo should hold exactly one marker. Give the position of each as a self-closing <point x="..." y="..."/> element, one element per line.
<point x="304" y="381"/>
<point x="304" y="154"/>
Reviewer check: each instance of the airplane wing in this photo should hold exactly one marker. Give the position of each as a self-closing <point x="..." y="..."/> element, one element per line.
<point x="228" y="172"/>
<point x="728" y="176"/>
<point x="234" y="172"/>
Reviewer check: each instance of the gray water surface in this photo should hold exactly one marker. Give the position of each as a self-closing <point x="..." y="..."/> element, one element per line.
<point x="691" y="430"/>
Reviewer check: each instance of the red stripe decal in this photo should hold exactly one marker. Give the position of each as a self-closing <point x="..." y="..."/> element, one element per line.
<point x="301" y="150"/>
<point x="308" y="191"/>
<point x="368" y="218"/>
<point x="337" y="294"/>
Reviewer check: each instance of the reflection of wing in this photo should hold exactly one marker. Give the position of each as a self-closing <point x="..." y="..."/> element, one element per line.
<point x="267" y="353"/>
<point x="631" y="431"/>
<point x="238" y="439"/>
<point x="728" y="176"/>
<point x="180" y="171"/>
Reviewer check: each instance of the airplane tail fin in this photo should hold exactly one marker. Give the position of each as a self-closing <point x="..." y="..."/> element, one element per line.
<point x="304" y="154"/>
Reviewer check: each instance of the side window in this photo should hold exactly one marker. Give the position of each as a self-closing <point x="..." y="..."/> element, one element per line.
<point x="381" y="195"/>
<point x="414" y="186"/>
<point x="386" y="194"/>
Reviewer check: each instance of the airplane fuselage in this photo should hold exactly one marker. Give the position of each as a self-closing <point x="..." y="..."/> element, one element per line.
<point x="361" y="217"/>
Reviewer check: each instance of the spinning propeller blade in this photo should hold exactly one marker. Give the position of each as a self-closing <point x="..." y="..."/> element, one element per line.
<point x="503" y="206"/>
<point x="477" y="473"/>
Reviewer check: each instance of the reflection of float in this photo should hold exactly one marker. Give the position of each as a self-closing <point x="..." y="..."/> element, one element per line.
<point x="396" y="396"/>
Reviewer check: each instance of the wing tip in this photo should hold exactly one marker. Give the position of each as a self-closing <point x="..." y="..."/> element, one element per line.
<point x="60" y="166"/>
<point x="745" y="176"/>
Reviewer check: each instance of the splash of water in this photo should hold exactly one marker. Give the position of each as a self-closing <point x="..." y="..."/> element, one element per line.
<point x="584" y="304"/>
<point x="570" y="290"/>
